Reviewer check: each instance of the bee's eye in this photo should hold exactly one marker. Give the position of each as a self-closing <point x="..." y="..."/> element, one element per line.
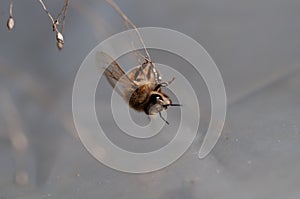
<point x="154" y="104"/>
<point x="154" y="98"/>
<point x="158" y="98"/>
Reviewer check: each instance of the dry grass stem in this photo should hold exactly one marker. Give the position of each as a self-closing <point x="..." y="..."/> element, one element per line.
<point x="128" y="22"/>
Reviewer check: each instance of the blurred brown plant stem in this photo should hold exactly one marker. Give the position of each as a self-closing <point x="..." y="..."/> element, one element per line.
<point x="16" y="134"/>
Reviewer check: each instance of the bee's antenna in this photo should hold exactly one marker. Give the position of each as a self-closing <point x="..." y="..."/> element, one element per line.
<point x="166" y="105"/>
<point x="160" y="115"/>
<point x="175" y="104"/>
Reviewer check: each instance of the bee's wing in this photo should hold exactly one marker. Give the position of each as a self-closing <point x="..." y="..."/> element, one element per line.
<point x="123" y="85"/>
<point x="146" y="72"/>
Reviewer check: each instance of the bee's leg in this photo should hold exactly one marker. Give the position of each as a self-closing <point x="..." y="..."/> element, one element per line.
<point x="149" y="118"/>
<point x="160" y="115"/>
<point x="165" y="84"/>
<point x="170" y="82"/>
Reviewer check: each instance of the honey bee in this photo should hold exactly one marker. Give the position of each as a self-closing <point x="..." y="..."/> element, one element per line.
<point x="141" y="87"/>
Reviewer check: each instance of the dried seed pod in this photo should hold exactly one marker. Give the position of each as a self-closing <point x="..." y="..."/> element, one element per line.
<point x="60" y="40"/>
<point x="60" y="45"/>
<point x="10" y="23"/>
<point x="59" y="37"/>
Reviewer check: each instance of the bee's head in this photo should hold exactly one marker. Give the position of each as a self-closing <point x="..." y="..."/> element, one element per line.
<point x="157" y="102"/>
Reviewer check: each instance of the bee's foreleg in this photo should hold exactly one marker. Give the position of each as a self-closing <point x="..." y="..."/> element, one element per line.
<point x="160" y="115"/>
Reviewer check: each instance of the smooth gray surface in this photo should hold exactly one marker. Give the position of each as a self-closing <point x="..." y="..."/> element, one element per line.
<point x="254" y="43"/>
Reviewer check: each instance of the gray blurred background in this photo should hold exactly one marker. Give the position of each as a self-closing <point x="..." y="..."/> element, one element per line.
<point x="255" y="44"/>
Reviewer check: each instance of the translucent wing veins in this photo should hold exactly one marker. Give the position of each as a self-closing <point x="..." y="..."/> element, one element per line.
<point x="117" y="78"/>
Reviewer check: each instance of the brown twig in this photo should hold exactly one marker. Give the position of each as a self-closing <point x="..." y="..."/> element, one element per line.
<point x="17" y="136"/>
<point x="14" y="122"/>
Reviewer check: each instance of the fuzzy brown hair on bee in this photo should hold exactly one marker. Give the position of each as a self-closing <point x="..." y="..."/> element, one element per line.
<point x="141" y="88"/>
<point x="148" y="100"/>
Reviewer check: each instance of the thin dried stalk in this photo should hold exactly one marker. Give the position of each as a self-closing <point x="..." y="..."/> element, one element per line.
<point x="10" y="8"/>
<point x="63" y="12"/>
<point x="60" y="19"/>
<point x="46" y="10"/>
<point x="129" y="22"/>
<point x="10" y="21"/>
